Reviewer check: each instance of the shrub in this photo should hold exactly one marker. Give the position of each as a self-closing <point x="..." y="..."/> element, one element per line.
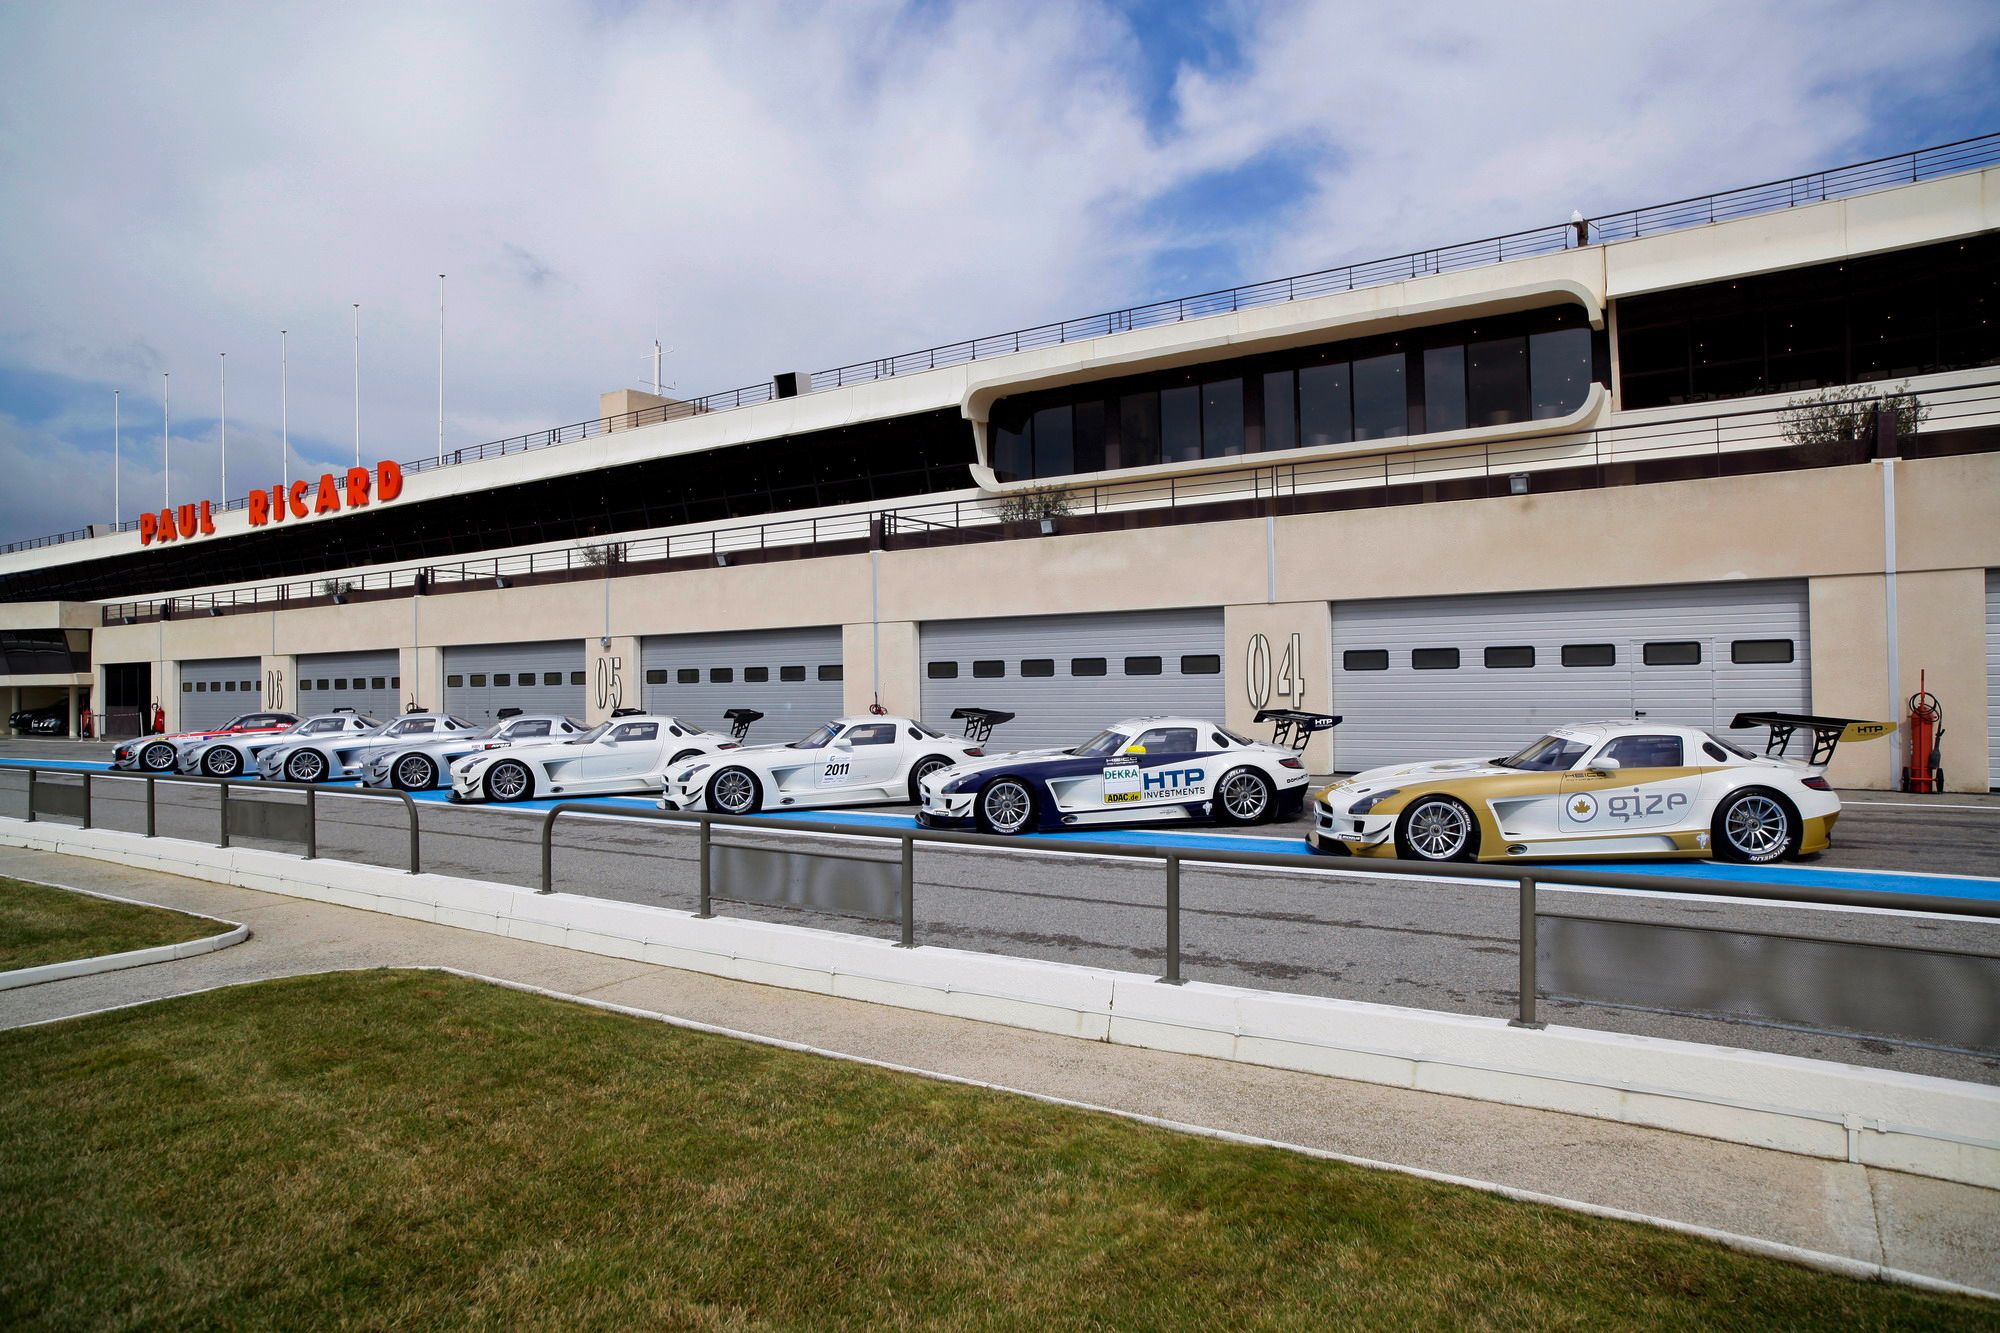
<point x="1036" y="502"/>
<point x="1834" y="417"/>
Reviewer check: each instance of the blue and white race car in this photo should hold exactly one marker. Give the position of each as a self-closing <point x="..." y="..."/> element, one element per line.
<point x="1141" y="770"/>
<point x="331" y="758"/>
<point x="231" y="756"/>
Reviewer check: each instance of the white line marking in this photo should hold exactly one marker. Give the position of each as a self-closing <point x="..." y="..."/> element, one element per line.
<point x="1924" y="805"/>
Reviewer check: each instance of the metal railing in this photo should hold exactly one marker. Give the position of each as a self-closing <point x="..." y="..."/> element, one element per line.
<point x="309" y="826"/>
<point x="1906" y="168"/>
<point x="1712" y="436"/>
<point x="1172" y="859"/>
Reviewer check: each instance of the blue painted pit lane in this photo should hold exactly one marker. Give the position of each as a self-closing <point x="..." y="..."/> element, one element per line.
<point x="1796" y="875"/>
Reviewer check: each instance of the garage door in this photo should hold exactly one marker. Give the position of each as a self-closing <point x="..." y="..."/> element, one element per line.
<point x="1993" y="679"/>
<point x="215" y="690"/>
<point x="368" y="683"/>
<point x="534" y="677"/>
<point x="792" y="676"/>
<point x="1446" y="677"/>
<point x="1066" y="677"/>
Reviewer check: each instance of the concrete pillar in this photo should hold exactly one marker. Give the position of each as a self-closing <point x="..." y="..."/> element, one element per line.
<point x="1846" y="622"/>
<point x="167" y="689"/>
<point x="613" y="679"/>
<point x="1941" y="628"/>
<point x="896" y="682"/>
<point x="421" y="669"/>
<point x="1279" y="655"/>
<point x="74" y="732"/>
<point x="12" y="698"/>
<point x="277" y="684"/>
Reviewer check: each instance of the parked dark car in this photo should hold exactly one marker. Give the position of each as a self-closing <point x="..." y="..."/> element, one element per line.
<point x="52" y="720"/>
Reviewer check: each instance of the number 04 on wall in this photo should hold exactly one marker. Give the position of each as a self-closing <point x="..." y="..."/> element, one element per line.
<point x="1290" y="683"/>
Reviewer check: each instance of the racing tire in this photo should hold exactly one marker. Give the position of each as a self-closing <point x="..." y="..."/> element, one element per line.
<point x="1755" y="826"/>
<point x="1005" y="806"/>
<point x="222" y="762"/>
<point x="1437" y="828"/>
<point x="413" y="772"/>
<point x="735" y="791"/>
<point x="922" y="769"/>
<point x="1244" y="796"/>
<point x="305" y="766"/>
<point x="509" y="780"/>
<point x="158" y="757"/>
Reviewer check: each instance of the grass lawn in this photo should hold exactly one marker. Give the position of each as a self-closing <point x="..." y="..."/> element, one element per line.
<point x="395" y="1149"/>
<point x="40" y="925"/>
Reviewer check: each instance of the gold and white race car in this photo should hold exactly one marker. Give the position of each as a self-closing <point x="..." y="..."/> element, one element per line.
<point x="1622" y="789"/>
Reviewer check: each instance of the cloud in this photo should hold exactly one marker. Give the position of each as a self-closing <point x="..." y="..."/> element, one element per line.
<point x="777" y="187"/>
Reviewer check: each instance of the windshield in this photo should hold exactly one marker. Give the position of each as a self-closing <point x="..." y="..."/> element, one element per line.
<point x="590" y="735"/>
<point x="1104" y="742"/>
<point x="1550" y="754"/>
<point x="488" y="733"/>
<point x="1730" y="746"/>
<point x="820" y="739"/>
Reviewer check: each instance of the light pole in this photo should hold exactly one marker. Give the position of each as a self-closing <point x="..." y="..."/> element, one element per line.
<point x="440" y="457"/>
<point x="357" y="384"/>
<point x="166" y="440"/>
<point x="222" y="383"/>
<point x="117" y="509"/>
<point x="284" y="416"/>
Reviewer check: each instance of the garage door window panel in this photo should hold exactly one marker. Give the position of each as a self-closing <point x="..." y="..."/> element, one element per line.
<point x="1679" y="652"/>
<point x="1509" y="658"/>
<point x="1142" y="666"/>
<point x="1759" y="652"/>
<point x="1365" y="659"/>
<point x="1434" y="659"/>
<point x="989" y="670"/>
<point x="1036" y="668"/>
<point x="1590" y="654"/>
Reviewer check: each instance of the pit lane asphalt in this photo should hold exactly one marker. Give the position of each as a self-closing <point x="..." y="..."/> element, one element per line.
<point x="1326" y="930"/>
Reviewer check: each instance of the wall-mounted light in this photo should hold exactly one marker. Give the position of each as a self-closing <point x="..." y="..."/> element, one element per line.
<point x="1517" y="483"/>
<point x="502" y="581"/>
<point x="721" y="560"/>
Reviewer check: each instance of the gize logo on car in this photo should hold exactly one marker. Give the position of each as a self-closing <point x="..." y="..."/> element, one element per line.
<point x="1121" y="782"/>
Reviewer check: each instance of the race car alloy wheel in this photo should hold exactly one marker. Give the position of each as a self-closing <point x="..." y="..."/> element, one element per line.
<point x="222" y="762"/>
<point x="413" y="772"/>
<point x="1436" y="828"/>
<point x="157" y="758"/>
<point x="922" y="769"/>
<point x="1243" y="797"/>
<point x="1755" y="826"/>
<point x="1006" y="806"/>
<point x="305" y="766"/>
<point x="734" y="791"/>
<point x="509" y="780"/>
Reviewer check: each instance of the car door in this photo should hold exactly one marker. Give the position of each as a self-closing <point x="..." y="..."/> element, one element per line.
<point x="1171" y="769"/>
<point x="629" y="752"/>
<point x="867" y="754"/>
<point x="1651" y="789"/>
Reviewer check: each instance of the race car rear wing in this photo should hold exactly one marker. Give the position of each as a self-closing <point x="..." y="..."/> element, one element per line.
<point x="740" y="720"/>
<point x="979" y="722"/>
<point x="1291" y="727"/>
<point x="1827" y="732"/>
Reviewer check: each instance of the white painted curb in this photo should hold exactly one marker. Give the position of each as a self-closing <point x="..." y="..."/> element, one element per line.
<point x="118" y="962"/>
<point x="1902" y="1122"/>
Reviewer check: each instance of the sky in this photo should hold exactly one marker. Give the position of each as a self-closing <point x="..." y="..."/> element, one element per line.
<point x="772" y="187"/>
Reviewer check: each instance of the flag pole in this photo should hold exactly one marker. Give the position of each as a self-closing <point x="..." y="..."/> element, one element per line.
<point x="284" y="416"/>
<point x="440" y="454"/>
<point x="222" y="374"/>
<point x="357" y="384"/>
<point x="167" y="439"/>
<point x="117" y="509"/>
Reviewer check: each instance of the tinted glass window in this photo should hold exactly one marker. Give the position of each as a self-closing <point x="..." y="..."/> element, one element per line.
<point x="378" y="683"/>
<point x="1325" y="410"/>
<point x="1281" y="421"/>
<point x="829" y="673"/>
<point x="576" y="678"/>
<point x="1013" y="449"/>
<point x="478" y="681"/>
<point x="419" y="726"/>
<point x="1086" y="666"/>
<point x="1180" y="423"/>
<point x="721" y="675"/>
<point x="1559" y="370"/>
<point x="1550" y="754"/>
<point x="229" y="687"/>
<point x="1089" y="417"/>
<point x="1038" y="666"/>
<point x="1365" y="659"/>
<point x="1754" y="651"/>
<point x="1381" y="399"/>
<point x="687" y="676"/>
<point x="1167" y="740"/>
<point x="872" y="733"/>
<point x="637" y="731"/>
<point x="1222" y="418"/>
<point x="1589" y="655"/>
<point x="1498" y="659"/>
<point x="1055" y="446"/>
<point x="1142" y="666"/>
<point x="756" y="675"/>
<point x="1434" y="659"/>
<point x="989" y="669"/>
<point x="340" y="683"/>
<point x="454" y="682"/>
<point x="524" y="729"/>
<point x="1201" y="664"/>
<point x="791" y="673"/>
<point x="1645" y="751"/>
<point x="1139" y="429"/>
<point x="1678" y="652"/>
<point x="1496" y="381"/>
<point x="552" y="678"/>
<point x="1444" y="388"/>
<point x="942" y="670"/>
<point x="503" y="680"/>
<point x="656" y="677"/>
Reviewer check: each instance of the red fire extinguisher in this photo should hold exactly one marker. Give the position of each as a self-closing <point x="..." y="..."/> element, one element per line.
<point x="159" y="718"/>
<point x="83" y="724"/>
<point x="1926" y="769"/>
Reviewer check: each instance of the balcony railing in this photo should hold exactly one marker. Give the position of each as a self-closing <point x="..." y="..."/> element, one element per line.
<point x="1881" y="173"/>
<point x="1715" y="436"/>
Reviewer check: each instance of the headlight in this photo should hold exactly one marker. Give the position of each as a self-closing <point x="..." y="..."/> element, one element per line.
<point x="1367" y="803"/>
<point x="688" y="774"/>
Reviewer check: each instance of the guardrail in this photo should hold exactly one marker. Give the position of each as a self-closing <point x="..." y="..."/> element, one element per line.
<point x="1172" y="859"/>
<point x="1906" y="168"/>
<point x="1712" y="436"/>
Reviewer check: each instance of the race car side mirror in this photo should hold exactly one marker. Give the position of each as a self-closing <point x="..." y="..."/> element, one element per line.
<point x="1135" y="749"/>
<point x="1604" y="764"/>
<point x="842" y="743"/>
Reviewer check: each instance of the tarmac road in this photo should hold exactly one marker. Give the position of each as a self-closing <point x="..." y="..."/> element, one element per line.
<point x="1328" y="930"/>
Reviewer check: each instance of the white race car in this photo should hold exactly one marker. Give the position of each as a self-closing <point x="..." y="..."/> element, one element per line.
<point x="1141" y="770"/>
<point x="234" y="755"/>
<point x="161" y="754"/>
<point x="330" y="758"/>
<point x="630" y="753"/>
<point x="420" y="763"/>
<point x="848" y="761"/>
<point x="1624" y="789"/>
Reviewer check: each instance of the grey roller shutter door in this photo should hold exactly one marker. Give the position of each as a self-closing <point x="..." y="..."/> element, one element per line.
<point x="1715" y="650"/>
<point x="792" y="676"/>
<point x="217" y="689"/>
<point x="481" y="679"/>
<point x="1993" y="678"/>
<point x="370" y="683"/>
<point x="1044" y="667"/>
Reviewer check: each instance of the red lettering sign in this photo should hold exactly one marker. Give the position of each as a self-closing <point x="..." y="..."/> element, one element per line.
<point x="300" y="499"/>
